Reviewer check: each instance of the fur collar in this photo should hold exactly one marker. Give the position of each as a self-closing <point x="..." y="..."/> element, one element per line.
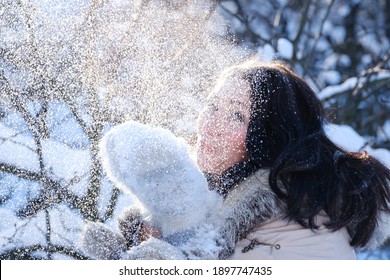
<point x="247" y="205"/>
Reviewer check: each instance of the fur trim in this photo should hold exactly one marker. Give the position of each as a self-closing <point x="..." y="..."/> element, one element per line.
<point x="249" y="204"/>
<point x="130" y="225"/>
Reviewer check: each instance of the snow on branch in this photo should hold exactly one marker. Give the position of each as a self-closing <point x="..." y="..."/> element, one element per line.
<point x="375" y="80"/>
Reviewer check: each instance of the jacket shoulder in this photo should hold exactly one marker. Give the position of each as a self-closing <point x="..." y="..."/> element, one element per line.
<point x="247" y="205"/>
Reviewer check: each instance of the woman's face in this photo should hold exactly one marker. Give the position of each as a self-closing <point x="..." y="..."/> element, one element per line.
<point x="222" y="127"/>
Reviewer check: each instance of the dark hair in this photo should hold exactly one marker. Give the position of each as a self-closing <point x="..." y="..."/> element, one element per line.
<point x="308" y="172"/>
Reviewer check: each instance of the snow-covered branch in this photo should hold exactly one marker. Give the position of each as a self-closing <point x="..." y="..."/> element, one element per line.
<point x="373" y="81"/>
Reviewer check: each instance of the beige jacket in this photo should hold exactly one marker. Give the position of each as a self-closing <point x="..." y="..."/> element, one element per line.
<point x="282" y="240"/>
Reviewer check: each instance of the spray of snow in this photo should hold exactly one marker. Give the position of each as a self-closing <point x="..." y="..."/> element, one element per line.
<point x="94" y="64"/>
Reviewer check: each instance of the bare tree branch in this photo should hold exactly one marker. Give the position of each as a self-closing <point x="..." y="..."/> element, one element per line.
<point x="27" y="253"/>
<point x="310" y="53"/>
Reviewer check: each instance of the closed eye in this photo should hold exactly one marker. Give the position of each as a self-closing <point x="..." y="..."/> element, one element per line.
<point x="212" y="107"/>
<point x="237" y="116"/>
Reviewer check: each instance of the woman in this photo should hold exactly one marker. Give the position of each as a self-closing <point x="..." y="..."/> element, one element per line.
<point x="290" y="193"/>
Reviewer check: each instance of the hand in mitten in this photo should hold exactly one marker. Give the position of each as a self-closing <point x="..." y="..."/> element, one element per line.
<point x="100" y="242"/>
<point x="155" y="166"/>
